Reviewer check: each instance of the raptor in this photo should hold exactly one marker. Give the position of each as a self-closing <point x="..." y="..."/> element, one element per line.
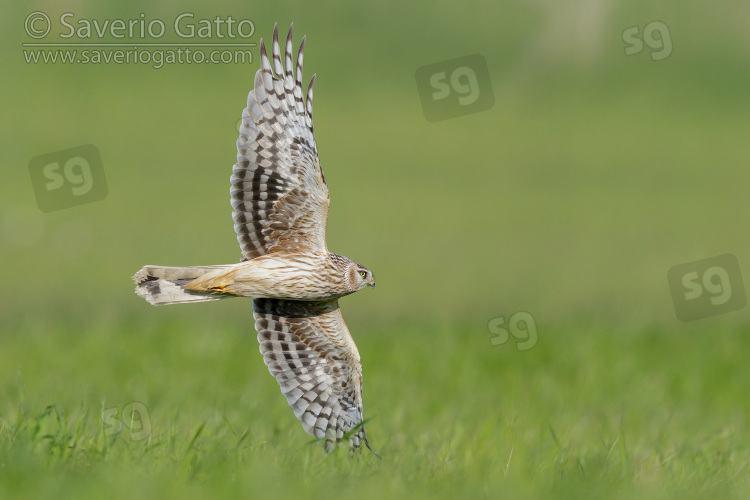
<point x="280" y="204"/>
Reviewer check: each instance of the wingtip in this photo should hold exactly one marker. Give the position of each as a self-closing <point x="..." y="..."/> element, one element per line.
<point x="265" y="64"/>
<point x="370" y="448"/>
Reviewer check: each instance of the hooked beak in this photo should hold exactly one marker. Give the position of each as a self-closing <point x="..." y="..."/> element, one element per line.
<point x="372" y="282"/>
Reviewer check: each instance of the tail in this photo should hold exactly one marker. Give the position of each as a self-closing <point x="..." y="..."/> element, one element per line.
<point x="161" y="285"/>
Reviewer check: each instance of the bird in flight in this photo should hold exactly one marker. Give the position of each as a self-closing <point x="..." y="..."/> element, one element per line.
<point x="280" y="206"/>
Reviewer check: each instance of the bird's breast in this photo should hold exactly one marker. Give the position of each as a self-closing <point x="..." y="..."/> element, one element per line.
<point x="292" y="276"/>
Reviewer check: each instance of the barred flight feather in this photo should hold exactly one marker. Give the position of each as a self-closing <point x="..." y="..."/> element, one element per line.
<point x="279" y="195"/>
<point x="307" y="347"/>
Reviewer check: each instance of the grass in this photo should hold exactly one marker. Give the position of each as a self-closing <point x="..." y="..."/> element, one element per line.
<point x="619" y="413"/>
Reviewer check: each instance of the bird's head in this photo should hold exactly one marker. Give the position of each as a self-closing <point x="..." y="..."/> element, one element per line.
<point x="362" y="277"/>
<point x="356" y="275"/>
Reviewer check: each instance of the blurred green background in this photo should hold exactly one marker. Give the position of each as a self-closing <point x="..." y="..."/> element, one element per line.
<point x="593" y="174"/>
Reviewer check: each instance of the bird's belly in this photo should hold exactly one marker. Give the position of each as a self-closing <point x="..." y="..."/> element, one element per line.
<point x="292" y="278"/>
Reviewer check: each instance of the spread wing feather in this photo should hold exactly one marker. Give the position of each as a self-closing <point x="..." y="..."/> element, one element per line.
<point x="307" y="347"/>
<point x="279" y="195"/>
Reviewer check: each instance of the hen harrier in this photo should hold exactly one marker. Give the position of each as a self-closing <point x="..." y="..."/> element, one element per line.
<point x="280" y="201"/>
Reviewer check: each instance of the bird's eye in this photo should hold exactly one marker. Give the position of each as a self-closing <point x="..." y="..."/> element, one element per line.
<point x="363" y="274"/>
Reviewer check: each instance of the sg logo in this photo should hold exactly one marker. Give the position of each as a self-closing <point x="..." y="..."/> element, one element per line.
<point x="707" y="287"/>
<point x="133" y="417"/>
<point x="454" y="88"/>
<point x="661" y="46"/>
<point x="463" y="81"/>
<point x="68" y="178"/>
<point x="522" y="327"/>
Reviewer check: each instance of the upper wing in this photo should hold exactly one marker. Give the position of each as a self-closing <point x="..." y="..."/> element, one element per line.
<point x="307" y="347"/>
<point x="279" y="194"/>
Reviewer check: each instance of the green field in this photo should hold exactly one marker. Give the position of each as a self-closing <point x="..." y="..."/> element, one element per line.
<point x="590" y="177"/>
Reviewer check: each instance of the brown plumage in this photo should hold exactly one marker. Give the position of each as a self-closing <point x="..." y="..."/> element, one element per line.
<point x="280" y="206"/>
